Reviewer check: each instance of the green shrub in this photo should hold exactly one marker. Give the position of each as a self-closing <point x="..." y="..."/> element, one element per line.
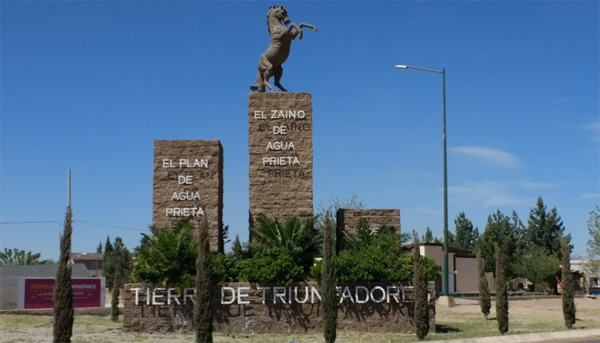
<point x="225" y="268"/>
<point x="276" y="265"/>
<point x="167" y="258"/>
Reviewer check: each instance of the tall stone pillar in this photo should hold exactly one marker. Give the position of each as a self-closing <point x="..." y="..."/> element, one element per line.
<point x="281" y="155"/>
<point x="188" y="184"/>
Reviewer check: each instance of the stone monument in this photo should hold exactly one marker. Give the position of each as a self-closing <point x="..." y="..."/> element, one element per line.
<point x="279" y="132"/>
<point x="270" y="63"/>
<point x="281" y="155"/>
<point x="188" y="184"/>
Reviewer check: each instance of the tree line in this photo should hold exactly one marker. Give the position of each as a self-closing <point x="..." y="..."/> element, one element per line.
<point x="531" y="250"/>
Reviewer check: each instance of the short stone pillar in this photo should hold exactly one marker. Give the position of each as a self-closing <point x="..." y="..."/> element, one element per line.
<point x="188" y="184"/>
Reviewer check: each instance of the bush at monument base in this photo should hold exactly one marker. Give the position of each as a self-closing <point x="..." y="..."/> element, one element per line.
<point x="260" y="308"/>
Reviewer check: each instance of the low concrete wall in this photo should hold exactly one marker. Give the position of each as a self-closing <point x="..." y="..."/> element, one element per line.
<point x="261" y="309"/>
<point x="9" y="292"/>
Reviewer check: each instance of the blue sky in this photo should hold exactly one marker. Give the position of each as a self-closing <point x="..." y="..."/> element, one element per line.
<point x="88" y="86"/>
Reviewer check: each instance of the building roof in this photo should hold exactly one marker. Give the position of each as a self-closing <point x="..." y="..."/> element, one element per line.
<point x="42" y="270"/>
<point x="86" y="256"/>
<point x="457" y="252"/>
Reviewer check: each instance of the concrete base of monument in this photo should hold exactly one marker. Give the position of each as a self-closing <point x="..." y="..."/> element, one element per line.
<point x="446" y="301"/>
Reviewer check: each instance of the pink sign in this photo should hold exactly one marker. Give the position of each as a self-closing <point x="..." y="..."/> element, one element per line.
<point x="39" y="293"/>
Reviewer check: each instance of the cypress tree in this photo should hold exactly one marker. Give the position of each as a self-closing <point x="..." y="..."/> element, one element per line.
<point x="484" y="292"/>
<point x="116" y="285"/>
<point x="63" y="294"/>
<point x="568" y="290"/>
<point x="421" y="313"/>
<point x="236" y="248"/>
<point x="501" y="292"/>
<point x="328" y="282"/>
<point x="203" y="314"/>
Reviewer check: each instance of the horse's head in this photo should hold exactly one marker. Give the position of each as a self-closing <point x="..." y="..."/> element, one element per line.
<point x="279" y="12"/>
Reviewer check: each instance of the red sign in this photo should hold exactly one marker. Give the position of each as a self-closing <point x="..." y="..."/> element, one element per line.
<point x="39" y="293"/>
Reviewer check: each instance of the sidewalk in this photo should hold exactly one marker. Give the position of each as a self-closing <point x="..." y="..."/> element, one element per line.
<point x="546" y="337"/>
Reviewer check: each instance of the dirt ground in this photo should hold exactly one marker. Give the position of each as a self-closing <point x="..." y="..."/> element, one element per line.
<point x="463" y="320"/>
<point x="525" y="311"/>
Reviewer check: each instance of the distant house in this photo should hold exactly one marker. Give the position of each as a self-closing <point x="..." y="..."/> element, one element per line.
<point x="462" y="268"/>
<point x="41" y="270"/>
<point x="92" y="261"/>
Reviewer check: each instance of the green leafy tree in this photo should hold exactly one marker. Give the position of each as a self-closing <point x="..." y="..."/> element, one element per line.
<point x="567" y="285"/>
<point x="428" y="236"/>
<point x="167" y="257"/>
<point x="99" y="249"/>
<point x="545" y="228"/>
<point x="108" y="248"/>
<point x="592" y="263"/>
<point x="466" y="236"/>
<point x="328" y="283"/>
<point x="63" y="294"/>
<point x="501" y="292"/>
<point x="118" y="257"/>
<point x="354" y="203"/>
<point x="377" y="256"/>
<point x="499" y="230"/>
<point x="203" y="311"/>
<point x="537" y="266"/>
<point x="421" y="313"/>
<point x="20" y="257"/>
<point x="485" y="301"/>
<point x="275" y="265"/>
<point x="224" y="268"/>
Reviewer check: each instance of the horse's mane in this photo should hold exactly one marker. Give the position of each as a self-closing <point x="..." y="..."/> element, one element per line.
<point x="269" y="14"/>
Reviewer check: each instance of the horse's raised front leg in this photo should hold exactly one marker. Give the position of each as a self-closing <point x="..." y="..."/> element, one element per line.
<point x="308" y="26"/>
<point x="297" y="33"/>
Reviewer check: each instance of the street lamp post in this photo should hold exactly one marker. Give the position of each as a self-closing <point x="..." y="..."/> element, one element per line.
<point x="446" y="272"/>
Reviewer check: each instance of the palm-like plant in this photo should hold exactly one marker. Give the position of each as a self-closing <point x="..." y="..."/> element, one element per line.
<point x="19" y="257"/>
<point x="167" y="257"/>
<point x="300" y="237"/>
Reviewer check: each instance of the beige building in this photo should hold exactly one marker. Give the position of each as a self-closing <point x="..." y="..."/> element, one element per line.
<point x="462" y="268"/>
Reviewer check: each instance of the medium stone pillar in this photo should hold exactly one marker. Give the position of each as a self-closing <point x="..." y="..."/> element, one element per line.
<point x="281" y="155"/>
<point x="188" y="184"/>
<point x="349" y="220"/>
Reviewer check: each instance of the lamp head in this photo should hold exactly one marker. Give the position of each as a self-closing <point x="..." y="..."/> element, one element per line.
<point x="401" y="67"/>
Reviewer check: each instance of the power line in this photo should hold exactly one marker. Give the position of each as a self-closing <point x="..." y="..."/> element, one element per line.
<point x="111" y="226"/>
<point x="75" y="221"/>
<point x="33" y="222"/>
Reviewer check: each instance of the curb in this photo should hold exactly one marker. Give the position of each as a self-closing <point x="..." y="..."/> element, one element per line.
<point x="546" y="337"/>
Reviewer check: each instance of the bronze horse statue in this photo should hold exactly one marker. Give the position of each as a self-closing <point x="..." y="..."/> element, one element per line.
<point x="270" y="63"/>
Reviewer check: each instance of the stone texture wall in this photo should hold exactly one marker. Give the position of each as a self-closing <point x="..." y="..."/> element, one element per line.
<point x="269" y="317"/>
<point x="188" y="176"/>
<point x="281" y="154"/>
<point x="348" y="220"/>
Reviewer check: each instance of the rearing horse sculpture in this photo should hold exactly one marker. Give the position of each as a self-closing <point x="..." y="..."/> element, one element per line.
<point x="271" y="61"/>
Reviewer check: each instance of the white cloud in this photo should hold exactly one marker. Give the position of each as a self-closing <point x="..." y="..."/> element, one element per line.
<point x="486" y="194"/>
<point x="490" y="156"/>
<point x="594" y="129"/>
<point x="591" y="195"/>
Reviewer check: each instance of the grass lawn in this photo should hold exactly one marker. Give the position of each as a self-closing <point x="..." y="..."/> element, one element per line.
<point x="463" y="321"/>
